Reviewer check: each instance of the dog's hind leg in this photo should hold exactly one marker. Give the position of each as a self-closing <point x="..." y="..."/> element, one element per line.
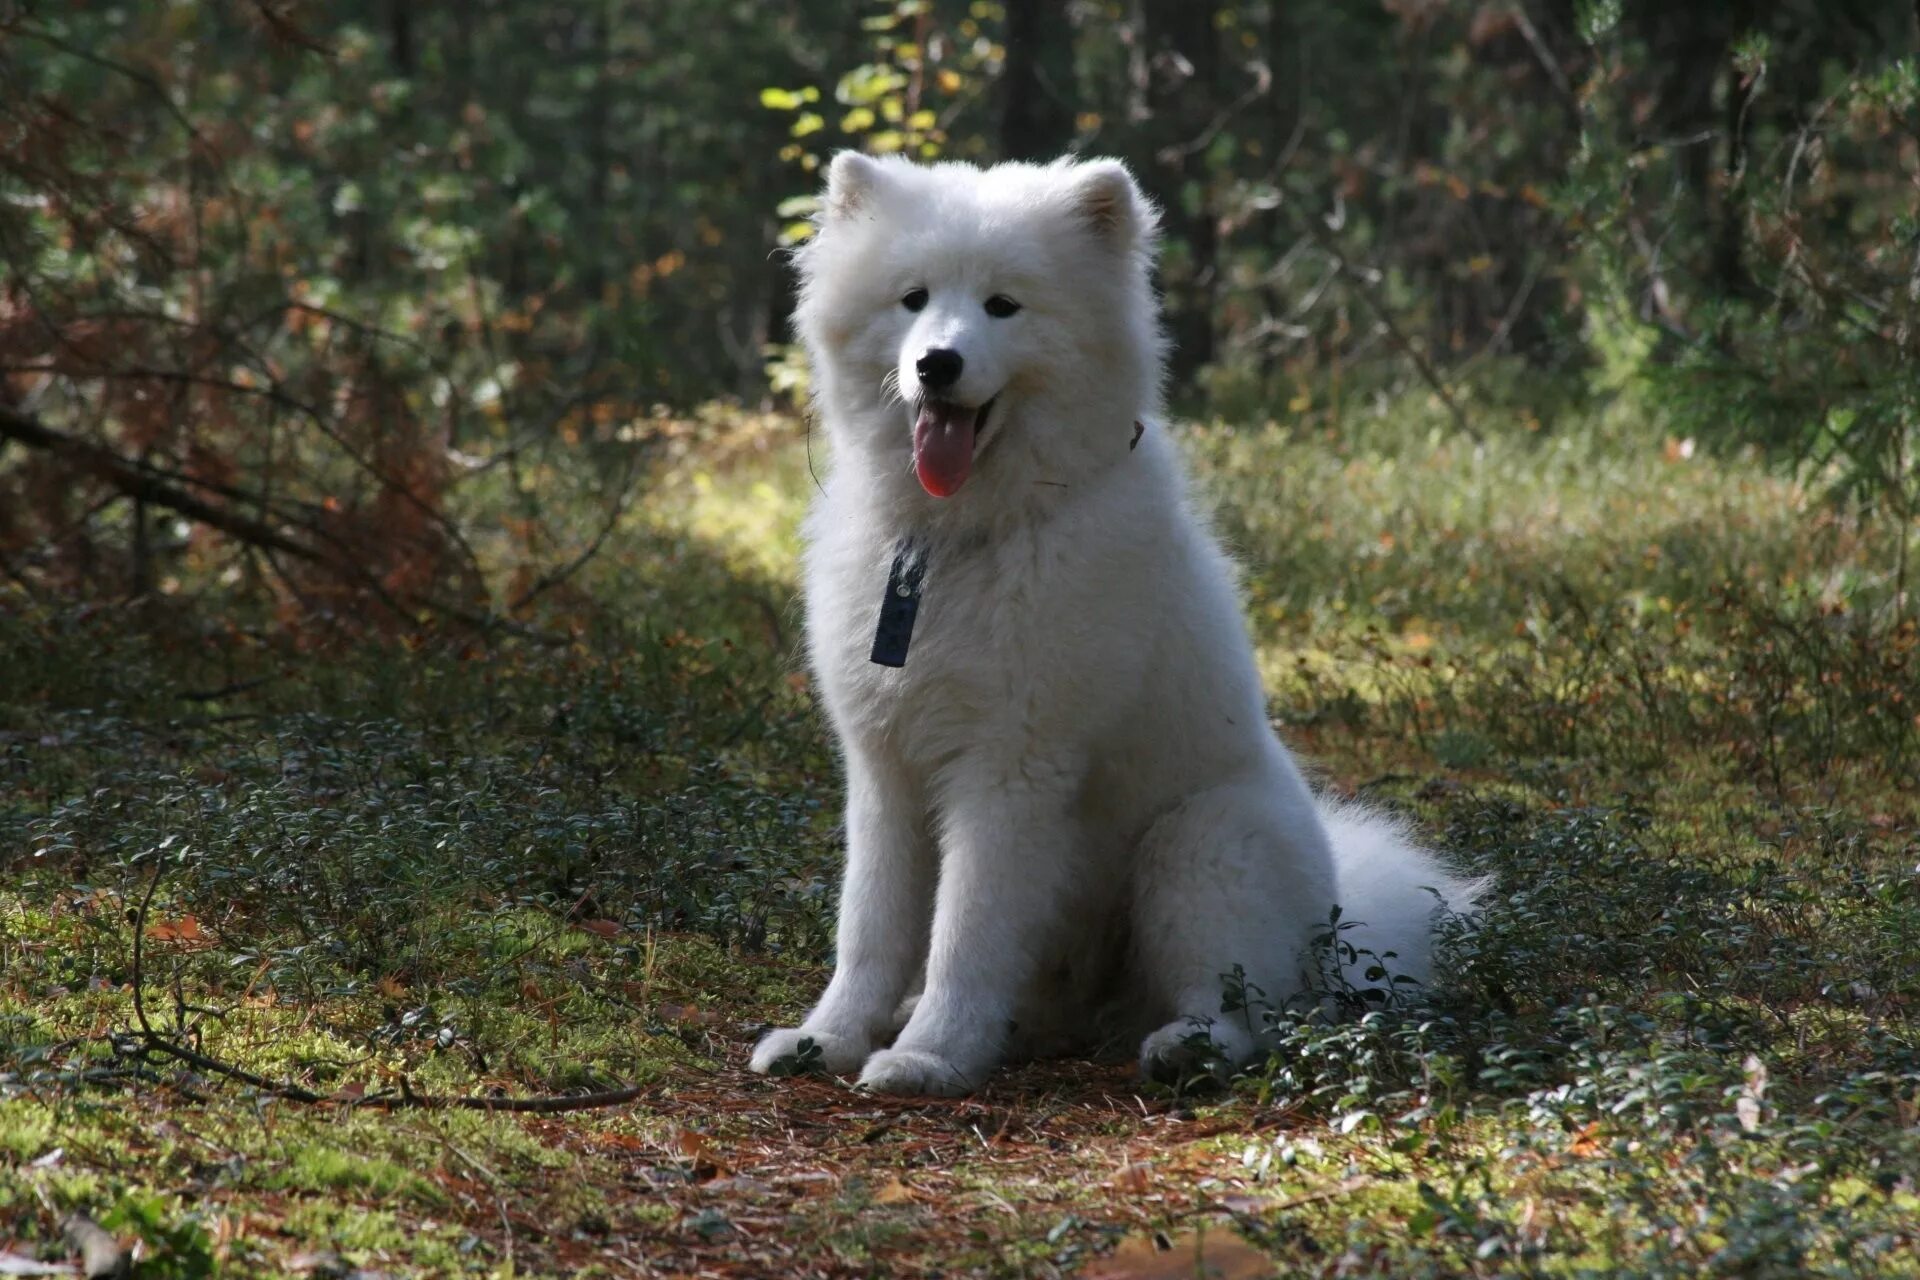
<point x="1235" y="877"/>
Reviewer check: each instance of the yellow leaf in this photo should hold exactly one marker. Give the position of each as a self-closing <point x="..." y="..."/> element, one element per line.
<point x="895" y="1192"/>
<point x="185" y="929"/>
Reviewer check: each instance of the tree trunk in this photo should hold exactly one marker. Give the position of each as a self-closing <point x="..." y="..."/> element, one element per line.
<point x="599" y="110"/>
<point x="1036" y="114"/>
<point x="400" y="34"/>
<point x="1185" y="51"/>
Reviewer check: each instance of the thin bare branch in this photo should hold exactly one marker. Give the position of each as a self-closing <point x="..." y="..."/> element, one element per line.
<point x="1364" y="287"/>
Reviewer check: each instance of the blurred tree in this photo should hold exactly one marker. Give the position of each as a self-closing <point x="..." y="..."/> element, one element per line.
<point x="321" y="269"/>
<point x="1037" y="86"/>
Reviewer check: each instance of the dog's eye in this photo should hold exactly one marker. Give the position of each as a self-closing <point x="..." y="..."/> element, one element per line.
<point x="914" y="299"/>
<point x="1000" y="306"/>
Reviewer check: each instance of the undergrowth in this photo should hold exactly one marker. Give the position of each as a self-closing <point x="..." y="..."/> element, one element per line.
<point x="1667" y="706"/>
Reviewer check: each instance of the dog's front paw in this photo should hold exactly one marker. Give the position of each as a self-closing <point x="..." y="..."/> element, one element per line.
<point x="1191" y="1048"/>
<point x="793" y="1051"/>
<point x="914" y="1073"/>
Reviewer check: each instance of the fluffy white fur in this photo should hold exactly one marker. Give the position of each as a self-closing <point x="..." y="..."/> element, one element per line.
<point x="1069" y="803"/>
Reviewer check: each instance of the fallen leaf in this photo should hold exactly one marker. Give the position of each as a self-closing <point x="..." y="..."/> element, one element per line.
<point x="696" y="1148"/>
<point x="895" y="1192"/>
<point x="185" y="929"/>
<point x="1196" y="1255"/>
<point x="625" y="1141"/>
<point x="688" y="1013"/>
<point x="1586" y="1143"/>
<point x="604" y="928"/>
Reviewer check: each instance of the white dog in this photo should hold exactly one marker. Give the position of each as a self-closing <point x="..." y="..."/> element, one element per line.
<point x="1064" y="799"/>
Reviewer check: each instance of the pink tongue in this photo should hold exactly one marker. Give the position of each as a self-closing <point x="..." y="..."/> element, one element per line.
<point x="943" y="447"/>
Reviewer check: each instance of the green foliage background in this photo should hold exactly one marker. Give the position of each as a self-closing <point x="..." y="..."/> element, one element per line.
<point x="556" y="215"/>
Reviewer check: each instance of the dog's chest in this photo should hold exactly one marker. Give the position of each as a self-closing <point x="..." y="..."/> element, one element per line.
<point x="960" y="619"/>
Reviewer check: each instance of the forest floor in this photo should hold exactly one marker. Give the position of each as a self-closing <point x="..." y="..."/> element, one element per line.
<point x="1660" y="697"/>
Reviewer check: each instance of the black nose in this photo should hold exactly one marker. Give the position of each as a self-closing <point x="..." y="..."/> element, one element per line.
<point x="939" y="368"/>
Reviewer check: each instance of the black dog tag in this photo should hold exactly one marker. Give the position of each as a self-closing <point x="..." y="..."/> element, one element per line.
<point x="899" y="606"/>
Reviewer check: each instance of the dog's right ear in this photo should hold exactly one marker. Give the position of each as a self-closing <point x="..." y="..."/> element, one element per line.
<point x="1112" y="205"/>
<point x="851" y="181"/>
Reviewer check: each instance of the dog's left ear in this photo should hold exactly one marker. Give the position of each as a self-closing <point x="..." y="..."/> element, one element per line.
<point x="1112" y="205"/>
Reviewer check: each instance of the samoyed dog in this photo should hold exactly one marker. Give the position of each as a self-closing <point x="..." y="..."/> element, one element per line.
<point x="1067" y="812"/>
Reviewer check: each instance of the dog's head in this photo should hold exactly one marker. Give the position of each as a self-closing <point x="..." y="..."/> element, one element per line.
<point x="995" y="321"/>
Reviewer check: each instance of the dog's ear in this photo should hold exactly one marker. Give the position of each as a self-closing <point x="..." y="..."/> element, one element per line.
<point x="1111" y="204"/>
<point x="851" y="181"/>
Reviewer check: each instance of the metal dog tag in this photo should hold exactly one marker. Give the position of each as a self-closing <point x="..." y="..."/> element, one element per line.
<point x="899" y="606"/>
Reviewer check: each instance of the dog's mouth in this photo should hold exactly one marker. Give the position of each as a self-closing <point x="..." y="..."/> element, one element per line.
<point x="946" y="439"/>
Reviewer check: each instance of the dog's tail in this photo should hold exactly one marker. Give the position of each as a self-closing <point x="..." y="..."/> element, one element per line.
<point x="1393" y="893"/>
